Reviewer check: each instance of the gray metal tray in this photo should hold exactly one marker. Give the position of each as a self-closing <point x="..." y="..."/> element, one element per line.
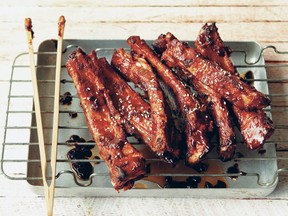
<point x="260" y="169"/>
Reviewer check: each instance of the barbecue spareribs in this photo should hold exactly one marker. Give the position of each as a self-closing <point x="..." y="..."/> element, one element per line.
<point x="198" y="124"/>
<point x="229" y="86"/>
<point x="219" y="111"/>
<point x="125" y="163"/>
<point x="138" y="71"/>
<point x="255" y="126"/>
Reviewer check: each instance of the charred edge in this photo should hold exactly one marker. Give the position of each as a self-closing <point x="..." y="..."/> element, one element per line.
<point x="28" y="26"/>
<point x="61" y="25"/>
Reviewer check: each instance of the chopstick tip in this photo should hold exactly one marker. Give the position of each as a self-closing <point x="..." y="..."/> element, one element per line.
<point x="28" y="27"/>
<point x="28" y="24"/>
<point x="62" y="19"/>
<point x="61" y="25"/>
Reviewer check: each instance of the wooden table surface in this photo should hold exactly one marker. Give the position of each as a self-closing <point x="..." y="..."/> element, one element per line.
<point x="263" y="21"/>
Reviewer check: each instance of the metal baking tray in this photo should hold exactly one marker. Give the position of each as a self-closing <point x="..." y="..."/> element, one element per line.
<point x="257" y="176"/>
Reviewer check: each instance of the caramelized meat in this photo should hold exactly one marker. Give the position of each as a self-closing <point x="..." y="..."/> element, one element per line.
<point x="222" y="119"/>
<point x="125" y="163"/>
<point x="211" y="46"/>
<point x="134" y="111"/>
<point x="211" y="74"/>
<point x="138" y="71"/>
<point x="198" y="124"/>
<point x="217" y="105"/>
<point x="255" y="126"/>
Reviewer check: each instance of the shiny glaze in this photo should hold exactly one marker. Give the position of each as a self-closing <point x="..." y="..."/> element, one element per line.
<point x="217" y="106"/>
<point x="211" y="46"/>
<point x="198" y="123"/>
<point x="135" y="112"/>
<point x="211" y="74"/>
<point x="137" y="70"/>
<point x="125" y="163"/>
<point x="255" y="126"/>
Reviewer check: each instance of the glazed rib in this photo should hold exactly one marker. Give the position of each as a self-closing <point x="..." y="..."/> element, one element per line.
<point x="211" y="74"/>
<point x="125" y="163"/>
<point x="219" y="110"/>
<point x="134" y="111"/>
<point x="138" y="71"/>
<point x="255" y="126"/>
<point x="198" y="124"/>
<point x="211" y="46"/>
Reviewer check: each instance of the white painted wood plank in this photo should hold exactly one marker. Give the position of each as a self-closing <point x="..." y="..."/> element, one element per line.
<point x="142" y="206"/>
<point x="147" y="3"/>
<point x="183" y="14"/>
<point x="261" y="31"/>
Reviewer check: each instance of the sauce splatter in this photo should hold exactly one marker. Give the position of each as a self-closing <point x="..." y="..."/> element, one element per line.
<point x="66" y="98"/>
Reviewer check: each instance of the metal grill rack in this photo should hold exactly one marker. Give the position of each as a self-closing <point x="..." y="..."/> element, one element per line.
<point x="20" y="155"/>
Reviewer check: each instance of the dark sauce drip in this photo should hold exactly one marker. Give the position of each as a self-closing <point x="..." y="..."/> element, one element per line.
<point x="219" y="184"/>
<point x="74" y="139"/>
<point x="200" y="167"/>
<point x="261" y="151"/>
<point x="97" y="158"/>
<point x="73" y="114"/>
<point x="63" y="81"/>
<point x="208" y="185"/>
<point x="248" y="78"/>
<point x="233" y="170"/>
<point x="66" y="99"/>
<point x="83" y="169"/>
<point x="81" y="150"/>
<point x="191" y="182"/>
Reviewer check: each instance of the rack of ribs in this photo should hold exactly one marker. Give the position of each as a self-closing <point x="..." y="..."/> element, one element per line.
<point x="228" y="85"/>
<point x="255" y="126"/>
<point x="138" y="71"/>
<point x="198" y="125"/>
<point x="218" y="108"/>
<point x="125" y="163"/>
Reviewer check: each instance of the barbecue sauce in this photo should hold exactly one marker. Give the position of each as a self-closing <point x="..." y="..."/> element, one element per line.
<point x="219" y="184"/>
<point x="73" y="114"/>
<point x="261" y="151"/>
<point x="83" y="169"/>
<point x="248" y="77"/>
<point x="66" y="98"/>
<point x="233" y="170"/>
<point x="81" y="150"/>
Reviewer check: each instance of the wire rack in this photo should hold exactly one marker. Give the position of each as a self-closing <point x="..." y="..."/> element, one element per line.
<point x="20" y="154"/>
